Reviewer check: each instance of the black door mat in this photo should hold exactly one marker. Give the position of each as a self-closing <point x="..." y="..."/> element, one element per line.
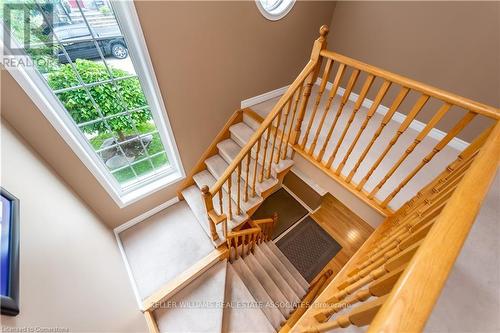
<point x="288" y="208"/>
<point x="309" y="248"/>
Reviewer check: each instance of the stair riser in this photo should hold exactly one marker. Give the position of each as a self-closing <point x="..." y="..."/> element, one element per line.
<point x="262" y="189"/>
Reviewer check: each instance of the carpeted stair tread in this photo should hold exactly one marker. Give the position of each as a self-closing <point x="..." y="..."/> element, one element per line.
<point x="271" y="288"/>
<point x="206" y="178"/>
<point x="251" y="122"/>
<point x="239" y="319"/>
<point x="217" y="166"/>
<point x="296" y="274"/>
<point x="281" y="268"/>
<point x="241" y="134"/>
<point x="192" y="195"/>
<point x="278" y="279"/>
<point x="228" y="150"/>
<point x="274" y="316"/>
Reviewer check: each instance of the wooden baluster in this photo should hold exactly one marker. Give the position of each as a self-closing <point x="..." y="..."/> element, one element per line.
<point x="273" y="147"/>
<point x="254" y="241"/>
<point x="366" y="86"/>
<point x="229" y="242"/>
<point x="437" y="191"/>
<point x="437" y="202"/>
<point x="302" y="109"/>
<point x="229" y="198"/>
<point x="236" y="254"/>
<point x="256" y="164"/>
<point x="430" y="125"/>
<point x="331" y="96"/>
<point x="430" y="188"/>
<point x="296" y="103"/>
<point x="359" y="316"/>
<point x="242" y="241"/>
<point x="207" y="199"/>
<point x="395" y="105"/>
<point x="269" y="234"/>
<point x="224" y="227"/>
<point x="407" y="243"/>
<point x="283" y="132"/>
<point x="416" y="230"/>
<point x="324" y="81"/>
<point x="429" y="203"/>
<point x="377" y="288"/>
<point x="319" y="44"/>
<point x="247" y="173"/>
<point x="264" y="156"/>
<point x="394" y="263"/>
<point x="451" y="134"/>
<point x="345" y="97"/>
<point x="431" y="212"/>
<point x="238" y="195"/>
<point x="402" y="128"/>
<point x="376" y="103"/>
<point x="221" y="200"/>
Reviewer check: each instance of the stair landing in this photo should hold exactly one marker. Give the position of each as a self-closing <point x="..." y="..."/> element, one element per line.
<point x="161" y="247"/>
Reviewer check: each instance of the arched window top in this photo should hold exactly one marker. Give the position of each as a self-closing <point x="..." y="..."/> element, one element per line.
<point x="274" y="9"/>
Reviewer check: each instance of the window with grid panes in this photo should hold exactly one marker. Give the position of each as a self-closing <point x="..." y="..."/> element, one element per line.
<point x="89" y="64"/>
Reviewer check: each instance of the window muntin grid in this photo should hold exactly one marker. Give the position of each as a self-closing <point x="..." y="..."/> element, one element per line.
<point x="274" y="9"/>
<point x="151" y="161"/>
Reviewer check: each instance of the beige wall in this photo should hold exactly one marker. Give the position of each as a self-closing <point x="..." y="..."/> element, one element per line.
<point x="451" y="45"/>
<point x="208" y="56"/>
<point x="71" y="272"/>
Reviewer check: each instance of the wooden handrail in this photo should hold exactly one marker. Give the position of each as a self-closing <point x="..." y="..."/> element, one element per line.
<point x="237" y="116"/>
<point x="310" y="68"/>
<point x="267" y="122"/>
<point x="414" y="295"/>
<point x="463" y="102"/>
<point x="170" y="288"/>
<point x="313" y="291"/>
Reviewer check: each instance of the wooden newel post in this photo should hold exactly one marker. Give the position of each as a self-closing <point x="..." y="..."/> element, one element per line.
<point x="275" y="222"/>
<point x="209" y="206"/>
<point x="319" y="44"/>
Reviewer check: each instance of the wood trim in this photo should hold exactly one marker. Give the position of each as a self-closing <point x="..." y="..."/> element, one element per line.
<point x="223" y="134"/>
<point x="308" y="318"/>
<point x="427" y="272"/>
<point x="254" y="115"/>
<point x="463" y="102"/>
<point x="306" y="302"/>
<point x="361" y="194"/>
<point x="151" y="322"/>
<point x="183" y="279"/>
<point x="265" y="124"/>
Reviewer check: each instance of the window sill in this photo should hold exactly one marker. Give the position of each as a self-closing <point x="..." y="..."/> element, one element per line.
<point x="150" y="188"/>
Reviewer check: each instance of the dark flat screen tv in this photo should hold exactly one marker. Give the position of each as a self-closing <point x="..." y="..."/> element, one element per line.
<point x="9" y="253"/>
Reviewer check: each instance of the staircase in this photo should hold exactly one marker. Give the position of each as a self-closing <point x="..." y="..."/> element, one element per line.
<point x="270" y="279"/>
<point x="254" y="181"/>
<point x="256" y="292"/>
<point x="409" y="255"/>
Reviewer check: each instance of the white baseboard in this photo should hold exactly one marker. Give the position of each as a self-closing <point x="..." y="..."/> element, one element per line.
<point x="264" y="97"/>
<point x="398" y="117"/>
<point x="129" y="224"/>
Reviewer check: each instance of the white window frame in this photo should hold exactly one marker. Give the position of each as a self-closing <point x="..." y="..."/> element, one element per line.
<point x="277" y="13"/>
<point x="37" y="88"/>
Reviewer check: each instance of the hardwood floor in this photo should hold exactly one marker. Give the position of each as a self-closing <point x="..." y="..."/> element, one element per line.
<point x="348" y="229"/>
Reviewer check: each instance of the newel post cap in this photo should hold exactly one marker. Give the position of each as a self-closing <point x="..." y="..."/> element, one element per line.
<point x="323" y="30"/>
